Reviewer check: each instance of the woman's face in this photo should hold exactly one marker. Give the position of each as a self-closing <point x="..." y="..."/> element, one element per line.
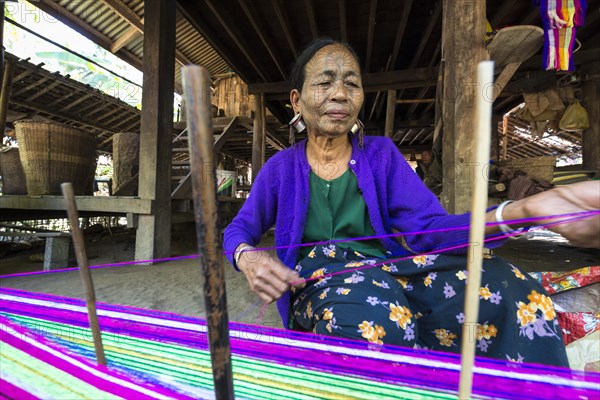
<point x="332" y="93"/>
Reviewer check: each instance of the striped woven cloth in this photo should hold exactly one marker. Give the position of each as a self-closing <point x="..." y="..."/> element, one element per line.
<point x="560" y="19"/>
<point x="47" y="352"/>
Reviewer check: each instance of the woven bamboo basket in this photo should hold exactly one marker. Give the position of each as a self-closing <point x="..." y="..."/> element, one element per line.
<point x="13" y="177"/>
<point x="540" y="168"/>
<point x="53" y="153"/>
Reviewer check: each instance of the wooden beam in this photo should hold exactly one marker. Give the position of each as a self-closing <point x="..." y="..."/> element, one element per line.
<point x="138" y="23"/>
<point x="122" y="122"/>
<point x="69" y="117"/>
<point x="130" y="35"/>
<point x="405" y="136"/>
<point x="416" y="136"/>
<point x="258" y="136"/>
<point x="507" y="73"/>
<point x="114" y="204"/>
<point x="229" y="26"/>
<point x="285" y="24"/>
<point x="400" y="32"/>
<point x="432" y="22"/>
<point x="70" y="19"/>
<point x="43" y="91"/>
<point x="60" y="99"/>
<point x="273" y="141"/>
<point x="30" y="86"/>
<point x="372" y="82"/>
<point x="262" y="36"/>
<point x="153" y="238"/>
<point x="415" y="101"/>
<point x="76" y="102"/>
<point x="78" y="87"/>
<point x="27" y="72"/>
<point x="424" y="90"/>
<point x="343" y="21"/>
<point x="227" y="133"/>
<point x="126" y="13"/>
<point x="312" y="20"/>
<point x="371" y="34"/>
<point x="390" y="113"/>
<point x="394" y="55"/>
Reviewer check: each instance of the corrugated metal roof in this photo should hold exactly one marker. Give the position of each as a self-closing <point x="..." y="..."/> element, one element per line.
<point x="101" y="16"/>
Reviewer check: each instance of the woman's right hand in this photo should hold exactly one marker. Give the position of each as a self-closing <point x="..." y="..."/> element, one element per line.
<point x="267" y="276"/>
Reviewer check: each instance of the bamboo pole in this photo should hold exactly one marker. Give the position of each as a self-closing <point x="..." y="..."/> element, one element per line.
<point x="197" y="94"/>
<point x="84" y="272"/>
<point x="483" y="128"/>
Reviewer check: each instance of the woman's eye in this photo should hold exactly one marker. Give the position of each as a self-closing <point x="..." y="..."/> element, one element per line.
<point x="352" y="84"/>
<point x="325" y="83"/>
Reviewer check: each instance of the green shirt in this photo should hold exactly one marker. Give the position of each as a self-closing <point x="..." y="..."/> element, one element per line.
<point x="338" y="211"/>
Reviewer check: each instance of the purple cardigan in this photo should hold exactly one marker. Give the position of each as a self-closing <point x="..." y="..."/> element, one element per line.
<point x="394" y="195"/>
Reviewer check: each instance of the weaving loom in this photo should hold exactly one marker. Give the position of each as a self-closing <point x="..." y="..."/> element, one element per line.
<point x="47" y="351"/>
<point x="47" y="347"/>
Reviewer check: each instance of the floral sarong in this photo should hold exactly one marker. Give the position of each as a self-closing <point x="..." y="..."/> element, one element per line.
<point x="419" y="302"/>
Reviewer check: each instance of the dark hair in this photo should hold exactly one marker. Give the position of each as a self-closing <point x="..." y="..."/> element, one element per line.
<point x="297" y="75"/>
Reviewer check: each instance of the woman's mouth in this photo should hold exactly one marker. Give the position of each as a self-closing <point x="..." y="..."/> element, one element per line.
<point x="337" y="114"/>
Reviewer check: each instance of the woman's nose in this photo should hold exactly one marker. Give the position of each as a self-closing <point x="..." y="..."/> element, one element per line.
<point x="340" y="92"/>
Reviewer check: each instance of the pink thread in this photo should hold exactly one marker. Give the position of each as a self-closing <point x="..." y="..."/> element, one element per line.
<point x="261" y="313"/>
<point x="581" y="215"/>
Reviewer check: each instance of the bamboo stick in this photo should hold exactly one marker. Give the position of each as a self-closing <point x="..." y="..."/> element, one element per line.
<point x="197" y="94"/>
<point x="84" y="272"/>
<point x="483" y="129"/>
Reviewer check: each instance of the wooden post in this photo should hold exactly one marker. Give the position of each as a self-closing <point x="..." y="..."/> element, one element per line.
<point x="84" y="271"/>
<point x="258" y="135"/>
<point x="463" y="47"/>
<point x="1" y="49"/>
<point x="9" y="68"/>
<point x="591" y="102"/>
<point x="153" y="238"/>
<point x="196" y="88"/>
<point x="495" y="149"/>
<point x="390" y="113"/>
<point x="482" y="125"/>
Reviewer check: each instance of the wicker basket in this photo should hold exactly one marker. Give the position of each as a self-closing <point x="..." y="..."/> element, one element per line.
<point x="540" y="168"/>
<point x="53" y="153"/>
<point x="13" y="177"/>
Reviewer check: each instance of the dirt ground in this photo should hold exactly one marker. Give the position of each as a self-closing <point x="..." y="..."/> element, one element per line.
<point x="176" y="286"/>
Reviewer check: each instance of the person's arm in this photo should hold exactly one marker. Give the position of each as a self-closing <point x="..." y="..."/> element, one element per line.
<point x="267" y="276"/>
<point x="577" y="197"/>
<point x="414" y="208"/>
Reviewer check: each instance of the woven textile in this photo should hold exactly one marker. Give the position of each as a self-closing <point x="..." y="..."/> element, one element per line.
<point x="166" y="355"/>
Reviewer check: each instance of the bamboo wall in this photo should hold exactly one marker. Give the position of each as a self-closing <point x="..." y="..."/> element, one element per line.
<point x="231" y="96"/>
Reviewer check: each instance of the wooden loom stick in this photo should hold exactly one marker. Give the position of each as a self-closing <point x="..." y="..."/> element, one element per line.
<point x="197" y="94"/>
<point x="84" y="271"/>
<point x="482" y="129"/>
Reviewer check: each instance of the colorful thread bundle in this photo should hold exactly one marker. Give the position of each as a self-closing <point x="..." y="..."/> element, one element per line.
<point x="154" y="354"/>
<point x="560" y="19"/>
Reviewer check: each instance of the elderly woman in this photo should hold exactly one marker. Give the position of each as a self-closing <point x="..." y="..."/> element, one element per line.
<point x="340" y="185"/>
